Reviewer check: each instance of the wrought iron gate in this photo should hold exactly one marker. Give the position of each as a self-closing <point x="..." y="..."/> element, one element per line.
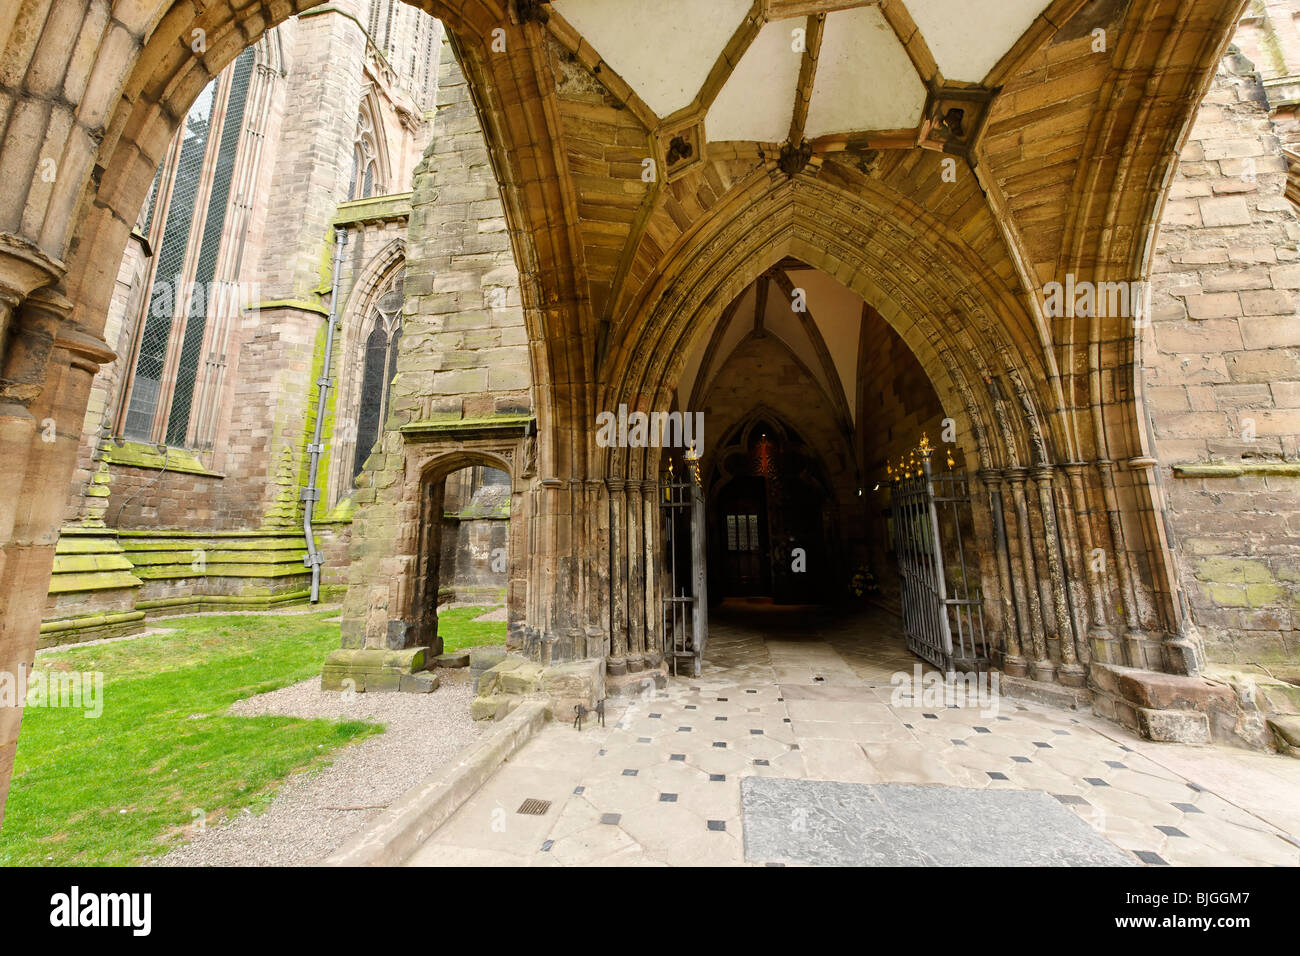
<point x="685" y="599"/>
<point x="943" y="613"/>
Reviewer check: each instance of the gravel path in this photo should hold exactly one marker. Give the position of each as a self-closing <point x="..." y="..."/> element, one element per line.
<point x="303" y="825"/>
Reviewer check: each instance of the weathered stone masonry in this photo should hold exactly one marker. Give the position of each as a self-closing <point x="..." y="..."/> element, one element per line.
<point x="1064" y="151"/>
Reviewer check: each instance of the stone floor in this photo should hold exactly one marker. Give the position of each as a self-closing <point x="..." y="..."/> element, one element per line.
<point x="791" y="695"/>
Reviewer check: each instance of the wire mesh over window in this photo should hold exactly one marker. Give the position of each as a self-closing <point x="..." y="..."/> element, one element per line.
<point x="206" y="268"/>
<point x="177" y="306"/>
<point x="152" y="357"/>
<point x="379" y="370"/>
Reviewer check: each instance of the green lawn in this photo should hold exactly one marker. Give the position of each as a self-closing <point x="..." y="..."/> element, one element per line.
<point x="458" y="629"/>
<point x="129" y="784"/>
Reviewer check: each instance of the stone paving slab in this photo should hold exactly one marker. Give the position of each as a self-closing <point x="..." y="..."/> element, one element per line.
<point x="821" y="823"/>
<point x="665" y="781"/>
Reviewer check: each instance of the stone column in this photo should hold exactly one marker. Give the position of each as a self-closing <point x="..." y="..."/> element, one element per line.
<point x="1071" y="673"/>
<point x="1013" y="663"/>
<point x="616" y="665"/>
<point x="45" y="376"/>
<point x="1101" y="640"/>
<point x="597" y="504"/>
<point x="1133" y="637"/>
<point x="653" y="615"/>
<point x="636" y="592"/>
<point x="1041" y="667"/>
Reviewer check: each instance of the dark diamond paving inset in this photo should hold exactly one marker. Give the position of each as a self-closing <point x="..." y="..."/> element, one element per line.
<point x="1189" y="808"/>
<point x="959" y="743"/>
<point x="1170" y="831"/>
<point x="677" y="757"/>
<point x="982" y="730"/>
<point x="629" y="773"/>
<point x="683" y="730"/>
<point x="1022" y="760"/>
<point x="1116" y="765"/>
<point x="720" y="743"/>
<point x="930" y="716"/>
<point x="1149" y="858"/>
<point x="579" y="790"/>
<point x="1061" y="733"/>
<point x="1096" y="781"/>
<point x="667" y="798"/>
<point x="760" y="762"/>
<point x="997" y="775"/>
<point x="611" y="818"/>
<point x="849" y="824"/>
<point x="1072" y="799"/>
<point x="546" y="846"/>
<point x="717" y="824"/>
<point x="717" y="778"/>
<point x="754" y="732"/>
<point x="719" y="718"/>
<point x="1045" y="746"/>
<point x="655" y="716"/>
<point x="643" y="740"/>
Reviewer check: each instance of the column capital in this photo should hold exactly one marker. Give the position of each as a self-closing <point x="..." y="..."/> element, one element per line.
<point x="24" y="267"/>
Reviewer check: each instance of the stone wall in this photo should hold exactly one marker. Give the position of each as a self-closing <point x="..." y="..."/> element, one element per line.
<point x="463" y="357"/>
<point x="1222" y="376"/>
<point x="291" y="177"/>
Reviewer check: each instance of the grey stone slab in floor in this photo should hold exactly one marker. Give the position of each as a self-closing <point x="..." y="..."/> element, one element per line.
<point x="844" y="824"/>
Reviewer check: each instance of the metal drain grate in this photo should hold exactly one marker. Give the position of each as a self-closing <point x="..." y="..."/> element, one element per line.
<point x="534" y="807"/>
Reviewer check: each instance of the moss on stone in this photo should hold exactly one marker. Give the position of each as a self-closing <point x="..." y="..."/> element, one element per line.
<point x="136" y="454"/>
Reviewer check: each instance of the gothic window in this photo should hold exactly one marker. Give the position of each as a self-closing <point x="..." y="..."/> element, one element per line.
<point x="168" y="352"/>
<point x="378" y="370"/>
<point x="365" y="169"/>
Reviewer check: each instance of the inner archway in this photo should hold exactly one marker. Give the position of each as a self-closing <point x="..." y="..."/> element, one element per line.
<point x="810" y="398"/>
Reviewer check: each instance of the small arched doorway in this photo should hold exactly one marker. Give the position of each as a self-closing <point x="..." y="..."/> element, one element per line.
<point x="464" y="542"/>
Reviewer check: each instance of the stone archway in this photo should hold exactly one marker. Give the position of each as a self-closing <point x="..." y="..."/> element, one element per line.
<point x="405" y="610"/>
<point x="99" y="97"/>
<point x="86" y="134"/>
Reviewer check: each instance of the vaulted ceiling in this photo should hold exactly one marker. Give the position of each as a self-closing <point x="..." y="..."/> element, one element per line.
<point x="795" y="69"/>
<point x="815" y="317"/>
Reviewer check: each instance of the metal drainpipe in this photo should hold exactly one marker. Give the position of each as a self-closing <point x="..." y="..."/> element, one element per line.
<point x="311" y="494"/>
